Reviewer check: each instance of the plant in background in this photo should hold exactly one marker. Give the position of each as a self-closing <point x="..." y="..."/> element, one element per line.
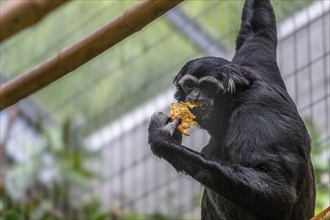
<point x="59" y="173"/>
<point x="56" y="179"/>
<point x="321" y="162"/>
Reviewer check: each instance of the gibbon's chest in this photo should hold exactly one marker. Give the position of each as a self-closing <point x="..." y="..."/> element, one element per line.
<point x="242" y="143"/>
<point x="241" y="153"/>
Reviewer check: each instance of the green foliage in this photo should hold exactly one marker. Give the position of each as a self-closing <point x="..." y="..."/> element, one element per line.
<point x="44" y="201"/>
<point x="56" y="200"/>
<point x="10" y="214"/>
<point x="321" y="161"/>
<point x="158" y="216"/>
<point x="102" y="216"/>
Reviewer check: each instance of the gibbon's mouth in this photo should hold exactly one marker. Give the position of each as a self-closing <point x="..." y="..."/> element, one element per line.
<point x="204" y="107"/>
<point x="201" y="107"/>
<point x="201" y="112"/>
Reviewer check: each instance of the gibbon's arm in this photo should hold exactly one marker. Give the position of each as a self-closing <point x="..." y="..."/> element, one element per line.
<point x="258" y="28"/>
<point x="250" y="188"/>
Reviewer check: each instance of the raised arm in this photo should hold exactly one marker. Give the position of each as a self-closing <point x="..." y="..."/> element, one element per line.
<point x="258" y="27"/>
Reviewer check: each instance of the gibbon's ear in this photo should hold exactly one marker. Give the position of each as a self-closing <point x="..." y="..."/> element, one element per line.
<point x="234" y="78"/>
<point x="179" y="94"/>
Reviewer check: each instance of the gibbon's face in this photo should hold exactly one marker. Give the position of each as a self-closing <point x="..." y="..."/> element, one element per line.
<point x="201" y="91"/>
<point x="202" y="81"/>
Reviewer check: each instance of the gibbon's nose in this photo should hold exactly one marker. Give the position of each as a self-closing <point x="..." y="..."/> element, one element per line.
<point x="197" y="98"/>
<point x="193" y="96"/>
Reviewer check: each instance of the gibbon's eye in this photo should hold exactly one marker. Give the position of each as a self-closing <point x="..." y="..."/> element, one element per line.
<point x="210" y="88"/>
<point x="189" y="84"/>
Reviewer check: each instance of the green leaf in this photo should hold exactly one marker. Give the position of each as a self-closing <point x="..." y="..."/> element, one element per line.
<point x="158" y="216"/>
<point x="11" y="214"/>
<point x="49" y="218"/>
<point x="133" y="216"/>
<point x="102" y="216"/>
<point x="53" y="141"/>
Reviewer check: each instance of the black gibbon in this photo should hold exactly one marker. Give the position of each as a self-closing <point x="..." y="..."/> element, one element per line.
<point x="257" y="163"/>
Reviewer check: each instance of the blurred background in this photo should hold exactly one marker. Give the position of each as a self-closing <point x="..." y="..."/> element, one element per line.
<point x="77" y="149"/>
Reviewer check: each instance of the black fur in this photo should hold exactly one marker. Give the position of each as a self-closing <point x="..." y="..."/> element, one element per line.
<point x="257" y="164"/>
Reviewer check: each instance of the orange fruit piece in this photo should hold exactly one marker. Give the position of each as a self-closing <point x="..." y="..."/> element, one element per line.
<point x="182" y="110"/>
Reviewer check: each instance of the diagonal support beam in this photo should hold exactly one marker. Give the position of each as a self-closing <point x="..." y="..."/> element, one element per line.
<point x="74" y="56"/>
<point x="20" y="14"/>
<point x="32" y="112"/>
<point x="196" y="34"/>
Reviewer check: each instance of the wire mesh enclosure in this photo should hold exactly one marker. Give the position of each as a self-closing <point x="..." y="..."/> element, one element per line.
<point x="79" y="146"/>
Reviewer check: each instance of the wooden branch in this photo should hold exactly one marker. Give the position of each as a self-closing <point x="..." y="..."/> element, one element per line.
<point x="72" y="57"/>
<point x="20" y="14"/>
<point x="324" y="215"/>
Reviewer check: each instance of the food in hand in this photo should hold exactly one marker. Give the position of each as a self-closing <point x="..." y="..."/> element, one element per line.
<point x="182" y="110"/>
